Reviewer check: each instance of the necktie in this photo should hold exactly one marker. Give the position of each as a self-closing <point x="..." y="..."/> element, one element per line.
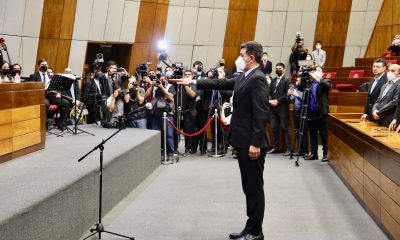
<point x="44" y="78"/>
<point x="265" y="64"/>
<point x="277" y="81"/>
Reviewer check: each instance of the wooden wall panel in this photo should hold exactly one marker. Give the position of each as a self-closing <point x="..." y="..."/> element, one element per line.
<point x="56" y="32"/>
<point x="25" y="127"/>
<point x="6" y="131"/>
<point x="240" y="27"/>
<point x="151" y="25"/>
<point x="387" y="25"/>
<point x="25" y="113"/>
<point x="51" y="18"/>
<point x="26" y="140"/>
<point x="5" y="147"/>
<point x="331" y="29"/>
<point x="5" y="116"/>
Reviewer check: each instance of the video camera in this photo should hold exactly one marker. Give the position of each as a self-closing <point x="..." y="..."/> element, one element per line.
<point x="306" y="66"/>
<point x="142" y="68"/>
<point x="178" y="70"/>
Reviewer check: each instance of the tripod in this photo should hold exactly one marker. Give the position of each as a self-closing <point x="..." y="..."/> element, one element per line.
<point x="99" y="228"/>
<point x="303" y="117"/>
<point x="77" y="118"/>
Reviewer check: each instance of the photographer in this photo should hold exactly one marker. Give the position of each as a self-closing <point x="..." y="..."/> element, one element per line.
<point x="318" y="109"/>
<point x="112" y="78"/>
<point x="299" y="52"/>
<point x="134" y="101"/>
<point x="163" y="101"/>
<point x="395" y="46"/>
<point x="115" y="109"/>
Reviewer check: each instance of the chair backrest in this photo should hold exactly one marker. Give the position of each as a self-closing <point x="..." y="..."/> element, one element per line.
<point x="388" y="54"/>
<point x="345" y="87"/>
<point x="329" y="75"/>
<point x="390" y="62"/>
<point x="356" y="73"/>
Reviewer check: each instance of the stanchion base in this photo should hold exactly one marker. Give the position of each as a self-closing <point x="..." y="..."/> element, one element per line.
<point x="166" y="162"/>
<point x="216" y="155"/>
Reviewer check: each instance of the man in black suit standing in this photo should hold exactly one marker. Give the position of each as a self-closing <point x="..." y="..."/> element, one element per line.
<point x="280" y="109"/>
<point x="247" y="132"/>
<point x="384" y="108"/>
<point x="265" y="65"/>
<point x="374" y="88"/>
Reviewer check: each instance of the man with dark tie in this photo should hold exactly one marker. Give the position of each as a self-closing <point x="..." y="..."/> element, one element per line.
<point x="280" y="109"/>
<point x="385" y="106"/>
<point x="52" y="98"/>
<point x="265" y="65"/>
<point x="247" y="132"/>
<point x="113" y="77"/>
<point x="374" y="88"/>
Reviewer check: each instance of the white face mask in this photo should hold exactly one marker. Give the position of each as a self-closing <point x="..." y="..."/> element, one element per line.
<point x="221" y="75"/>
<point x="264" y="58"/>
<point x="168" y="74"/>
<point x="390" y="76"/>
<point x="308" y="58"/>
<point x="318" y="74"/>
<point x="318" y="46"/>
<point x="240" y="64"/>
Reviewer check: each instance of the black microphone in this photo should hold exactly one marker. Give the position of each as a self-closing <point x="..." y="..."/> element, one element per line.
<point x="148" y="106"/>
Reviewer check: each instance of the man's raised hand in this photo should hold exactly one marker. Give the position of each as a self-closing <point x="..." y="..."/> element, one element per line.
<point x="183" y="81"/>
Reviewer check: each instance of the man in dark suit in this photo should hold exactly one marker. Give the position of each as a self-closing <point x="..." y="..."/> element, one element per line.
<point x="280" y="109"/>
<point x="374" y="88"/>
<point x="112" y="78"/>
<point x="53" y="98"/>
<point x="317" y="112"/>
<point x="247" y="132"/>
<point x="265" y="65"/>
<point x="384" y="108"/>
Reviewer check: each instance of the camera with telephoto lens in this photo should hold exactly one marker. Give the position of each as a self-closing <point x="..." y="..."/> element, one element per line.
<point x="122" y="94"/>
<point x="298" y="37"/>
<point x="142" y="69"/>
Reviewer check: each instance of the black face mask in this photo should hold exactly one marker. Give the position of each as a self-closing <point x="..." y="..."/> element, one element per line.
<point x="279" y="72"/>
<point x="15" y="72"/>
<point x="5" y="71"/>
<point x="43" y="68"/>
<point x="221" y="64"/>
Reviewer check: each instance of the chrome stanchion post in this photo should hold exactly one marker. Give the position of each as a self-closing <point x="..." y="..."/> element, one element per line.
<point x="216" y="155"/>
<point x="165" y="160"/>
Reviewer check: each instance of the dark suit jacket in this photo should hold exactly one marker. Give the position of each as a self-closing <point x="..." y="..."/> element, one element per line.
<point x="107" y="83"/>
<point x="373" y="96"/>
<point x="280" y="93"/>
<point x="267" y="69"/>
<point x="249" y="116"/>
<point x="387" y="104"/>
<point x="37" y="77"/>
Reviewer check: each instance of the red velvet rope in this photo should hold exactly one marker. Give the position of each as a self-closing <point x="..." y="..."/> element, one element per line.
<point x="223" y="124"/>
<point x="192" y="134"/>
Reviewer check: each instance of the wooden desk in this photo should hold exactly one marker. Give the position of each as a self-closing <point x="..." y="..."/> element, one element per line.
<point x="344" y="71"/>
<point x="22" y="119"/>
<point x="347" y="102"/>
<point x="367" y="158"/>
<point x="355" y="81"/>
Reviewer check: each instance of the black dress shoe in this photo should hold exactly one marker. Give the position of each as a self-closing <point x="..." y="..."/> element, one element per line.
<point x="306" y="155"/>
<point x="274" y="150"/>
<point x="311" y="157"/>
<point x="237" y="235"/>
<point x="324" y="159"/>
<point x="287" y="153"/>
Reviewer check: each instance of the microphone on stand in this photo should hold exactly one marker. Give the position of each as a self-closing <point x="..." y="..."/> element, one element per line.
<point x="147" y="106"/>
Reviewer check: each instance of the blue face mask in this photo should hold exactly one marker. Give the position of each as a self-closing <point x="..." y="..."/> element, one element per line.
<point x="198" y="73"/>
<point x="168" y="74"/>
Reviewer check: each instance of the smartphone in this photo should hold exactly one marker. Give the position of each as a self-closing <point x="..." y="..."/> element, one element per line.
<point x="291" y="87"/>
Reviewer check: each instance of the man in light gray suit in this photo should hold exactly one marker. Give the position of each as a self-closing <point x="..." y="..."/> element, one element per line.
<point x="319" y="55"/>
<point x="384" y="108"/>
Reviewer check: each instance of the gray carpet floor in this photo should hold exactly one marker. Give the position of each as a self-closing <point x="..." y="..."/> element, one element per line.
<point x="200" y="198"/>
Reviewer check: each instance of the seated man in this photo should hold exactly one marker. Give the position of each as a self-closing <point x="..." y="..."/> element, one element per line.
<point x="384" y="108"/>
